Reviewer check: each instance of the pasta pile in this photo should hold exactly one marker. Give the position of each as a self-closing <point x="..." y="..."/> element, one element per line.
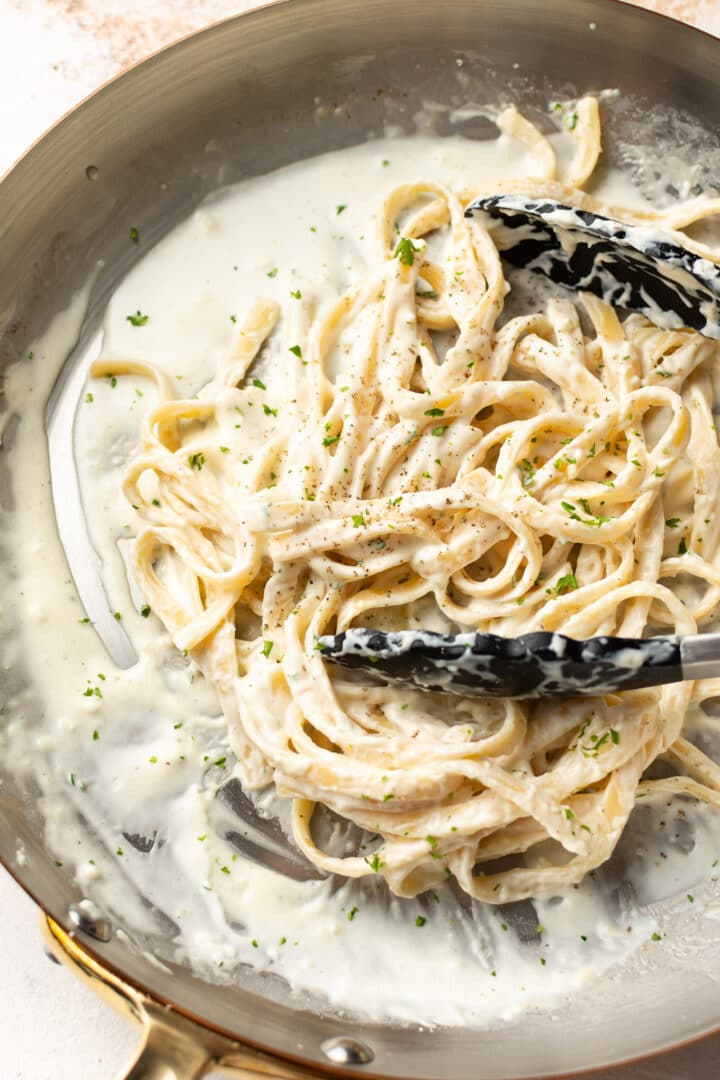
<point x="417" y="461"/>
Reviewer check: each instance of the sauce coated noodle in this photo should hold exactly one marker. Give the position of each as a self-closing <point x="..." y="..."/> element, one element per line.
<point x="427" y="463"/>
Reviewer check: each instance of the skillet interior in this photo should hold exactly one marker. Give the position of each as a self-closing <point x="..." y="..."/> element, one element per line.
<point x="246" y="96"/>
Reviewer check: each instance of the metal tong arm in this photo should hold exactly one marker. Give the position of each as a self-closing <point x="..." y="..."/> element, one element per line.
<point x="700" y="656"/>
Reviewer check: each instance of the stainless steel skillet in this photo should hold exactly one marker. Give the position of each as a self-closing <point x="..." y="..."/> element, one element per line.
<point x="246" y="96"/>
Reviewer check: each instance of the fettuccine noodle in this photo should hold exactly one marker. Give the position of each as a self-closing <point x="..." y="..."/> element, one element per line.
<point x="421" y="462"/>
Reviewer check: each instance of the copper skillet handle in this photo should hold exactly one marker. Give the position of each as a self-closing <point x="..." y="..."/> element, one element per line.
<point x="173" y="1046"/>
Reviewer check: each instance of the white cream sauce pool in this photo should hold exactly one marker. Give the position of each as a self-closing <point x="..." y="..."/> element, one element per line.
<point x="135" y="752"/>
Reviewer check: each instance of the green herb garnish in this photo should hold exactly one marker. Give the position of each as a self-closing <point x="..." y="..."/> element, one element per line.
<point x="567" y="583"/>
<point x="405" y="250"/>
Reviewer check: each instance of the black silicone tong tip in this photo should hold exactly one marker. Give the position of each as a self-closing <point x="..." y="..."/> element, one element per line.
<point x="485" y="665"/>
<point x="628" y="266"/>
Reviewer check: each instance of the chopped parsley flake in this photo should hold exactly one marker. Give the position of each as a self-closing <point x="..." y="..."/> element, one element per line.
<point x="672" y="523"/>
<point x="567" y="583"/>
<point x="296" y="295"/>
<point x="405" y="250"/>
<point x="358" y="520"/>
<point x="330" y="439"/>
<point x="682" y="547"/>
<point x="596" y="519"/>
<point x="269" y="411"/>
<point x="339" y="209"/>
<point x="134" y="235"/>
<point x="296" y="351"/>
<point x="440" y="430"/>
<point x="420" y="920"/>
<point x="352" y="913"/>
<point x="434" y="412"/>
<point x="267" y="647"/>
<point x="138" y="319"/>
<point x="260" y="384"/>
<point x="197" y="461"/>
<point x="145" y="610"/>
<point x="272" y="273"/>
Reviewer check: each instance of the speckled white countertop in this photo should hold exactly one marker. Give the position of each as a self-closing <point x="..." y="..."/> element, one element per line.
<point x="52" y="54"/>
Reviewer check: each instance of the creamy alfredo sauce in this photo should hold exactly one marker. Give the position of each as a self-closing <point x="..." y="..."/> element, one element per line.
<point x="141" y="753"/>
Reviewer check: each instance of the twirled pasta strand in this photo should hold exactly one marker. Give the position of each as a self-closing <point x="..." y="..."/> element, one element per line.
<point x="436" y="466"/>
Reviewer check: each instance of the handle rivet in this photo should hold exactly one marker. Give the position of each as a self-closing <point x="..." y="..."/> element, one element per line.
<point x="89" y="918"/>
<point x="346" y="1051"/>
